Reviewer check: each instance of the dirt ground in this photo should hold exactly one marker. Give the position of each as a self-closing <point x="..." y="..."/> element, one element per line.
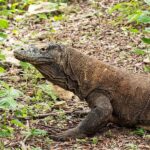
<point x="89" y="28"/>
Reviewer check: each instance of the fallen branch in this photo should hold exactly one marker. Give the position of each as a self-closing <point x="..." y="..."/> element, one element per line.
<point x="41" y="116"/>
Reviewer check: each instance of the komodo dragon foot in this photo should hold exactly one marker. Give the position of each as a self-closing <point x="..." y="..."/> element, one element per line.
<point x="96" y="119"/>
<point x="69" y="134"/>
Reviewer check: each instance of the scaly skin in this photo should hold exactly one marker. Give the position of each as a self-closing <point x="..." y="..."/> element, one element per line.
<point x="112" y="94"/>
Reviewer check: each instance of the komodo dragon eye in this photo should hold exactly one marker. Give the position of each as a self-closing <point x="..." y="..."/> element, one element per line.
<point x="43" y="49"/>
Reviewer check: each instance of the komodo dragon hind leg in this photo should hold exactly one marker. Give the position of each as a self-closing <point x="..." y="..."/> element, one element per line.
<point x="97" y="118"/>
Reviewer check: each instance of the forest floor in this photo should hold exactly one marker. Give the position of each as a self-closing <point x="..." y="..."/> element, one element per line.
<point x="89" y="28"/>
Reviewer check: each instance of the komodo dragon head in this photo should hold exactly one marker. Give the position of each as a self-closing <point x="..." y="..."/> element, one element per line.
<point x="50" y="59"/>
<point x="43" y="53"/>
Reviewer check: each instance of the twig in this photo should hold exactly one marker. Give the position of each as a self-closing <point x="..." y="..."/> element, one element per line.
<point x="41" y="116"/>
<point x="51" y="129"/>
<point x="12" y="144"/>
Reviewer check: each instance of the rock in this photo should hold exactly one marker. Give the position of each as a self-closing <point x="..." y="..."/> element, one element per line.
<point x="63" y="94"/>
<point x="45" y="7"/>
<point x="146" y="60"/>
<point x="59" y="105"/>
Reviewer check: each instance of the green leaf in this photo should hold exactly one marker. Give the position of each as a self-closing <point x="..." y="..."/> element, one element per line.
<point x="133" y="17"/>
<point x="139" y="131"/>
<point x="14" y="93"/>
<point x="5" y="12"/>
<point x="2" y="36"/>
<point x="58" y="18"/>
<point x="36" y="148"/>
<point x="42" y="16"/>
<point x="47" y="88"/>
<point x="25" y="65"/>
<point x="8" y="103"/>
<point x="2" y="57"/>
<point x="144" y="17"/>
<point x="131" y="146"/>
<point x="147" y="30"/>
<point x="17" y="123"/>
<point x="22" y="112"/>
<point x="2" y="0"/>
<point x="115" y="7"/>
<point x="10" y="92"/>
<point x="36" y="132"/>
<point x="4" y="84"/>
<point x="3" y="93"/>
<point x="3" y="24"/>
<point x="95" y="140"/>
<point x="133" y="30"/>
<point x="6" y="131"/>
<point x="2" y="70"/>
<point x="146" y="40"/>
<point x="2" y="146"/>
<point x="147" y="68"/>
<point x="139" y="52"/>
<point x="147" y="1"/>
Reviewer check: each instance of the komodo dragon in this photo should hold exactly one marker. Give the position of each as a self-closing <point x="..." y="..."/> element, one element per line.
<point x="112" y="94"/>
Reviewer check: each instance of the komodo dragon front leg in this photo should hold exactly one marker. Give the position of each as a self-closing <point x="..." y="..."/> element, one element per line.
<point x="98" y="117"/>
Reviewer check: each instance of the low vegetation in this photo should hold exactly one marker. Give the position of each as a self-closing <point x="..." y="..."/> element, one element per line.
<point x="30" y="108"/>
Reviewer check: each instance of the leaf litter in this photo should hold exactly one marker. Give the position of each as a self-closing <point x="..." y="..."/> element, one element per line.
<point x="87" y="27"/>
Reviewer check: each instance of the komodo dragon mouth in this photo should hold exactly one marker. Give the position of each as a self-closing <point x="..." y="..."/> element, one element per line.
<point x="21" y="55"/>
